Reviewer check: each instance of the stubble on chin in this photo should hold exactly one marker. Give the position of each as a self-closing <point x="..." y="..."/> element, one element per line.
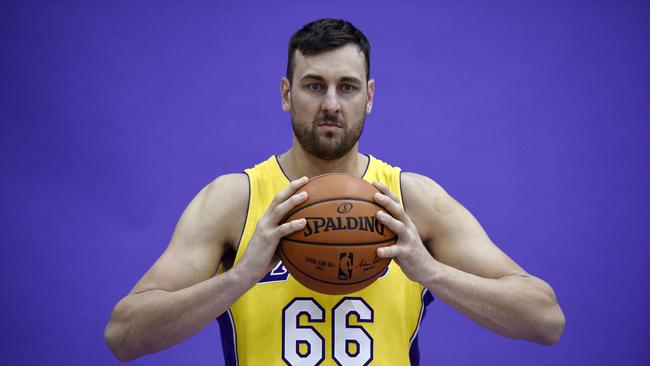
<point x="327" y="146"/>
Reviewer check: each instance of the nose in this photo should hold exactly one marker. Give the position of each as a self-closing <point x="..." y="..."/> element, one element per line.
<point x="331" y="103"/>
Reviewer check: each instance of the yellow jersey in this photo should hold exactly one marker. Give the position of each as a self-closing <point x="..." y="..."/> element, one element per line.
<point x="281" y="322"/>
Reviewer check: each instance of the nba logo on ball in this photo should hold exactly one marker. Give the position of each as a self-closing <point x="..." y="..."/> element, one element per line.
<point x="346" y="263"/>
<point x="336" y="252"/>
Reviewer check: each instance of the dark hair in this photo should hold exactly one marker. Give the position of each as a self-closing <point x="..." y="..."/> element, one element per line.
<point x="324" y="35"/>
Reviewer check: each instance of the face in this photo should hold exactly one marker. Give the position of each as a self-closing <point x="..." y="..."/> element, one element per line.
<point x="328" y="100"/>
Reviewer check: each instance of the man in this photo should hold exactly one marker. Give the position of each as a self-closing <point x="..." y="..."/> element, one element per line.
<point x="266" y="317"/>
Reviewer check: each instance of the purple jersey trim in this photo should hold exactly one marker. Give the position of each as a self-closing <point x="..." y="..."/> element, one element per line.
<point x="414" y="352"/>
<point x="228" y="338"/>
<point x="401" y="191"/>
<point x="289" y="179"/>
<point x="248" y="207"/>
<point x="367" y="166"/>
<point x="277" y="161"/>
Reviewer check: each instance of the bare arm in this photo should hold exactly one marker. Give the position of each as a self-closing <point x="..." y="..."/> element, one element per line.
<point x="180" y="294"/>
<point x="466" y="270"/>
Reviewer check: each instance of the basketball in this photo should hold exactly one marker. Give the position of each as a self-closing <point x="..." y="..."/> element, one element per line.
<point x="336" y="252"/>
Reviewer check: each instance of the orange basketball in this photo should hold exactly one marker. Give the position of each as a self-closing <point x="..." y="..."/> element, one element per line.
<point x="336" y="252"/>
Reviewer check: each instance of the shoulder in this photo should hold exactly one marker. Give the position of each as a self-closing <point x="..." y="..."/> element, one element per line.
<point x="230" y="188"/>
<point x="227" y="192"/>
<point x="224" y="201"/>
<point x="425" y="201"/>
<point x="418" y="189"/>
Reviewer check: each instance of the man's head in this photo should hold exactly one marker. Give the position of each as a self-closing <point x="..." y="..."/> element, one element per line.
<point x="324" y="35"/>
<point x="327" y="88"/>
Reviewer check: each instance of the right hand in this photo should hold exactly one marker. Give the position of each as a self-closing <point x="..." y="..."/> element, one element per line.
<point x="259" y="259"/>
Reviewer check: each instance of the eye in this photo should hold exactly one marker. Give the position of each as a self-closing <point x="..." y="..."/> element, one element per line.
<point x="315" y="87"/>
<point x="347" y="88"/>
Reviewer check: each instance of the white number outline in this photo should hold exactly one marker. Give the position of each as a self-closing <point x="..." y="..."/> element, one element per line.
<point x="360" y="319"/>
<point x="298" y="326"/>
<point x="342" y="302"/>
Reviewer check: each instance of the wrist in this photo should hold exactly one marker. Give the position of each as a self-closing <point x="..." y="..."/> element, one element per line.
<point x="243" y="277"/>
<point x="435" y="276"/>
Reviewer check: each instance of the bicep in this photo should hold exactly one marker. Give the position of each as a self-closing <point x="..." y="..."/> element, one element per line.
<point x="203" y="234"/>
<point x="452" y="233"/>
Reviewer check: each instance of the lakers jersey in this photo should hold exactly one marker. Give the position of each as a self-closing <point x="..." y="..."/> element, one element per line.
<point x="281" y="322"/>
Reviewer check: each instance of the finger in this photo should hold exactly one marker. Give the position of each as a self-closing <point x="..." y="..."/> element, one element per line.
<point x="390" y="251"/>
<point x="290" y="227"/>
<point x="396" y="226"/>
<point x="280" y="211"/>
<point x="289" y="190"/>
<point x="385" y="190"/>
<point x="393" y="208"/>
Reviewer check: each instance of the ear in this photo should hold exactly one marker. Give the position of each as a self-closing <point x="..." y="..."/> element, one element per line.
<point x="285" y="90"/>
<point x="371" y="95"/>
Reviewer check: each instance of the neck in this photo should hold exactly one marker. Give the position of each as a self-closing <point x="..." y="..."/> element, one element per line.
<point x="298" y="162"/>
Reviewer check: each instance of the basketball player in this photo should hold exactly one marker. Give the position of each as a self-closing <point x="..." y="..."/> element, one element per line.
<point x="266" y="317"/>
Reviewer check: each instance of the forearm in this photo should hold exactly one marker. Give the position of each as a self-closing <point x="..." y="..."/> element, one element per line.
<point x="515" y="306"/>
<point x="153" y="320"/>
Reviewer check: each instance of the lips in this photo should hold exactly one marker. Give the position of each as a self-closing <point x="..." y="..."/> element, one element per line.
<point x="330" y="127"/>
<point x="330" y="121"/>
<point x="330" y="124"/>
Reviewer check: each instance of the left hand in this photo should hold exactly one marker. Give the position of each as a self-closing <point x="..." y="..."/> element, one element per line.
<point x="408" y="252"/>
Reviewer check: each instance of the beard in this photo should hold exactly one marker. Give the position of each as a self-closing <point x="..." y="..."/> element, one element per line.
<point x="327" y="146"/>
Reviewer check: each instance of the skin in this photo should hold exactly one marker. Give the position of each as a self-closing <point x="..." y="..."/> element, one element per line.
<point x="440" y="245"/>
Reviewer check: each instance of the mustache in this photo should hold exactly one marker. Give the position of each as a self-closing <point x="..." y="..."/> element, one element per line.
<point x="329" y="118"/>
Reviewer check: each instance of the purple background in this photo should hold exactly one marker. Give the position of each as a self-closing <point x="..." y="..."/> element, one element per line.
<point x="534" y="115"/>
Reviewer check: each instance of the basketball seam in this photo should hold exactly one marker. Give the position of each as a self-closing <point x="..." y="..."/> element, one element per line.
<point x="327" y="282"/>
<point x="339" y="244"/>
<point x="328" y="200"/>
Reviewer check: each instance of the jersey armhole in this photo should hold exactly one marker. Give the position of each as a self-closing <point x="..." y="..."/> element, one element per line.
<point x="401" y="190"/>
<point x="248" y="207"/>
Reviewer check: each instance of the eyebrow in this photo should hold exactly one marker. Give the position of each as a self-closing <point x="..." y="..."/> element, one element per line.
<point x="320" y="78"/>
<point x="351" y="79"/>
<point x="313" y="76"/>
